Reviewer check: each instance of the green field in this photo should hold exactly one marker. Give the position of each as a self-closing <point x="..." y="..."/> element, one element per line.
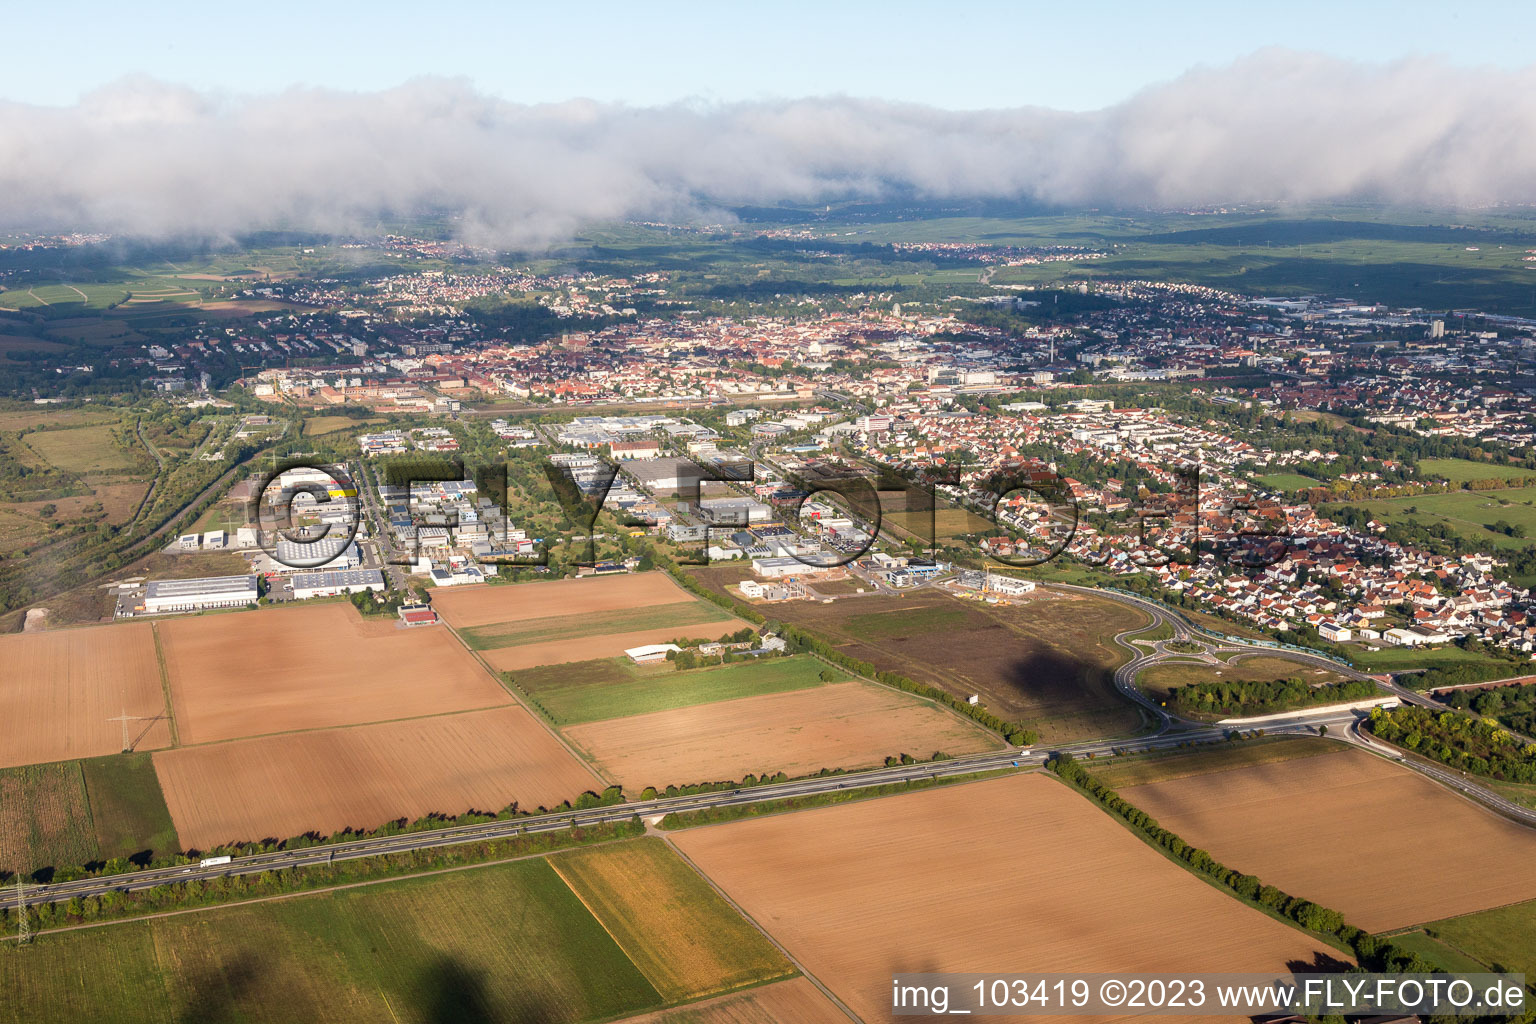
<point x="905" y="622"/>
<point x="128" y="809"/>
<point x="592" y="691"/>
<point x="1503" y="938"/>
<point x="1469" y="513"/>
<point x="504" y="943"/>
<point x="81" y="449"/>
<point x="1408" y="659"/>
<point x="72" y="813"/>
<point x="1286" y="481"/>
<point x="1459" y="471"/>
<point x="1438" y="953"/>
<point x="45" y="818"/>
<point x="571" y="627"/>
<point x="683" y="936"/>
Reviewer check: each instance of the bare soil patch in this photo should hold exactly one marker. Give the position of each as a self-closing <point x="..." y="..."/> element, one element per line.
<point x="251" y="673"/>
<point x="281" y="786"/>
<point x="841" y="725"/>
<point x="1318" y="826"/>
<point x="60" y="688"/>
<point x="464" y="607"/>
<point x="981" y="877"/>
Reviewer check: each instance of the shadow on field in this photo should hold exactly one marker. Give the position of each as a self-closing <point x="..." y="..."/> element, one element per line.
<point x="1321" y="963"/>
<point x="1048" y="676"/>
<point x="217" y="994"/>
<point x="454" y="994"/>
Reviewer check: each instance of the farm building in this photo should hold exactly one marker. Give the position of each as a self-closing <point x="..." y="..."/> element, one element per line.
<point x="196" y="594"/>
<point x="331" y="583"/>
<point x="650" y="653"/>
<point x="413" y="615"/>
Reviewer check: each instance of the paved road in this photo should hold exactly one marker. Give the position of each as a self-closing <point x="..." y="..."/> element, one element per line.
<point x="133" y="881"/>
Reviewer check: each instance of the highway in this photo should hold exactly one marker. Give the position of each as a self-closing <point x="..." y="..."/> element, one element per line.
<point x="1301" y="724"/>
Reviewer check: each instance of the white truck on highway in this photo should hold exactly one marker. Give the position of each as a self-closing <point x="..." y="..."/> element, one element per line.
<point x="212" y="862"/>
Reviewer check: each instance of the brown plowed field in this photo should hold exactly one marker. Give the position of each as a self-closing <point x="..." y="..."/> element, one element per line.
<point x="58" y="690"/>
<point x="1318" y="827"/>
<point x="842" y="725"/>
<point x="253" y="673"/>
<point x="796" y="1001"/>
<point x="281" y="786"/>
<point x="1047" y="660"/>
<point x="464" y="607"/>
<point x="1012" y="874"/>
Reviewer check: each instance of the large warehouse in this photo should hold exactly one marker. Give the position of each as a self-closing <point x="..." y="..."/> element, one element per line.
<point x="329" y="584"/>
<point x="195" y="595"/>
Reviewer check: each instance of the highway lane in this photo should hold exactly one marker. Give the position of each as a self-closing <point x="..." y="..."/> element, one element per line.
<point x="532" y="825"/>
<point x="1170" y="732"/>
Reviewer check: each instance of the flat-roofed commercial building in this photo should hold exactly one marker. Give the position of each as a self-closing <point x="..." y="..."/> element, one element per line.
<point x="198" y="594"/>
<point x="329" y="584"/>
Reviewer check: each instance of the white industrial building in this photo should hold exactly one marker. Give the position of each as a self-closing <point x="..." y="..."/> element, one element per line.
<point x="333" y="551"/>
<point x="195" y="595"/>
<point x="329" y="584"/>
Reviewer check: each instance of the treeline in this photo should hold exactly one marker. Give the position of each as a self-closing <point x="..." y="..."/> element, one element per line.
<point x="308" y="840"/>
<point x="1504" y="665"/>
<point x="233" y="888"/>
<point x="1472" y="745"/>
<point x="749" y="781"/>
<point x="1514" y="705"/>
<point x="1373" y="953"/>
<point x="1235" y="698"/>
<point x="400" y="470"/>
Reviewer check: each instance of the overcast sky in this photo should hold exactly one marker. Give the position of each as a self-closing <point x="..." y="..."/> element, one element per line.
<point x="217" y="120"/>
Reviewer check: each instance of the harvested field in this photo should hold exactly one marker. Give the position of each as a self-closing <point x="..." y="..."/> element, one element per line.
<point x="797" y="1000"/>
<point x="840" y="725"/>
<point x="673" y="618"/>
<point x="1307" y="826"/>
<point x="1047" y="661"/>
<point x="45" y="818"/>
<point x="281" y="786"/>
<point x="979" y="877"/>
<point x="275" y="670"/>
<point x="1119" y="772"/>
<point x="61" y="688"/>
<point x="467" y="607"/>
<point x="686" y="940"/>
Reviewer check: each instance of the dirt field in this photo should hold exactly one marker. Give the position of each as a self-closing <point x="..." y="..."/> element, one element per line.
<point x="464" y="607"/>
<point x="1048" y="661"/>
<point x="982" y="877"/>
<point x="281" y="786"/>
<point x="60" y="688"/>
<point x="253" y="673"/>
<point x="845" y="725"/>
<point x="796" y="1001"/>
<point x="1312" y="826"/>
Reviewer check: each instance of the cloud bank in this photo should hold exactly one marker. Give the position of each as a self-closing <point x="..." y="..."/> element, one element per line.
<point x="145" y="158"/>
